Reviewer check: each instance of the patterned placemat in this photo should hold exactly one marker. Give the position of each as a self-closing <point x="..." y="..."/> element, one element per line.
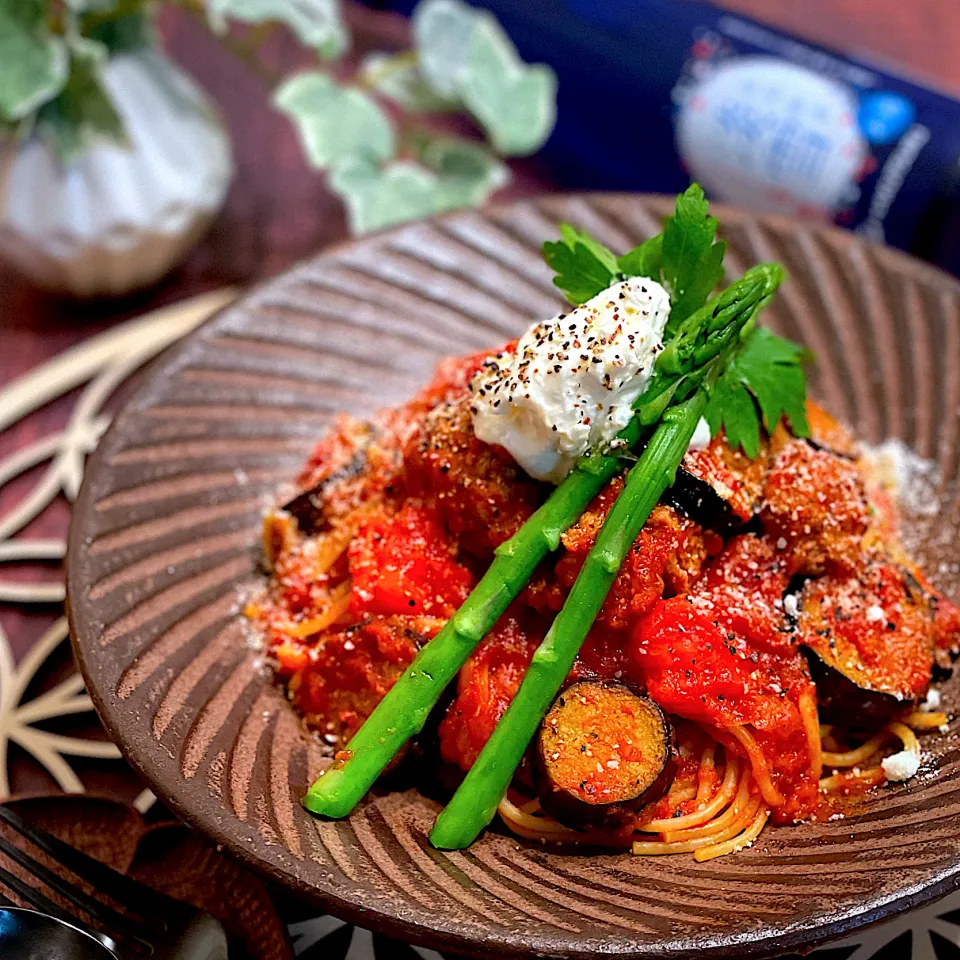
<point x="46" y="717"/>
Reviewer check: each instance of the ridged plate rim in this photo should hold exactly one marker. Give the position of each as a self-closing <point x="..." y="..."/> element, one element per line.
<point x="398" y="918"/>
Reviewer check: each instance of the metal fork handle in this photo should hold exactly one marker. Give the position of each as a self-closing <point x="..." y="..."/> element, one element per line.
<point x="110" y="918"/>
<point x="168" y="928"/>
<point x="129" y="893"/>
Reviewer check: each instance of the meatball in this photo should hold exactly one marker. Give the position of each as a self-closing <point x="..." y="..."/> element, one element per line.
<point x="476" y="489"/>
<point x="348" y="672"/>
<point x="815" y="506"/>
<point x="665" y="559"/>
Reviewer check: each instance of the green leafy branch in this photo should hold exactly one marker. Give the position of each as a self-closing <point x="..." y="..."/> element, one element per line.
<point x="462" y="61"/>
<point x="766" y="372"/>
<point x="763" y="379"/>
<point x="367" y="133"/>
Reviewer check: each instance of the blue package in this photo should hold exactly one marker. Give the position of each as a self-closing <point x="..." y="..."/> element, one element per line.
<point x="656" y="92"/>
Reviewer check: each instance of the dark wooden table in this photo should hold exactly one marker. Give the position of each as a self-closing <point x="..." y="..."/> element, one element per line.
<point x="278" y="211"/>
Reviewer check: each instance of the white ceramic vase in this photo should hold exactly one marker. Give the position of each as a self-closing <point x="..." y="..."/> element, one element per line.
<point x="117" y="218"/>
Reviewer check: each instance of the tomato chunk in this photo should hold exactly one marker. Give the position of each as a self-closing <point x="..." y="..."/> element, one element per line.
<point x="742" y="589"/>
<point x="402" y="564"/>
<point x="724" y="656"/>
<point x="699" y="670"/>
<point x="487" y="683"/>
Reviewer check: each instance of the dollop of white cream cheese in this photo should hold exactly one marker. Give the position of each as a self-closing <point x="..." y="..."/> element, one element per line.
<point x="901" y="766"/>
<point x="571" y="382"/>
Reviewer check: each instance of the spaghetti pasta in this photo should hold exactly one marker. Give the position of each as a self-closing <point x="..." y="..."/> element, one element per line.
<point x="723" y="820"/>
<point x="807" y="704"/>
<point x="714" y="830"/>
<point x="532" y="827"/>
<point x="730" y="808"/>
<point x="331" y="546"/>
<point x="906" y="735"/>
<point x="736" y="844"/>
<point x="336" y="606"/>
<point x="838" y="781"/>
<point x="759" y="765"/>
<point x="850" y="758"/>
<point x="706" y="775"/>
<point x="705" y="812"/>
<point x="861" y="765"/>
<point x="926" y="721"/>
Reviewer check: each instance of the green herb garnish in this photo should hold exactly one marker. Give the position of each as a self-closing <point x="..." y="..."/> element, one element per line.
<point x="765" y="372"/>
<point x="686" y="258"/>
<point x="584" y="266"/>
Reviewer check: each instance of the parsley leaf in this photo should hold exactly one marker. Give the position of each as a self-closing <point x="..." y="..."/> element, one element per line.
<point x="692" y="262"/>
<point x="572" y="236"/>
<point x="584" y="266"/>
<point x="643" y="261"/>
<point x="763" y="381"/>
<point x="685" y="258"/>
<point x="766" y="372"/>
<point x="731" y="409"/>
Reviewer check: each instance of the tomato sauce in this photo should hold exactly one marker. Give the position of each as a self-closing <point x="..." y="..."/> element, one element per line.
<point x="407" y="509"/>
<point x="402" y="563"/>
<point x="486" y="685"/>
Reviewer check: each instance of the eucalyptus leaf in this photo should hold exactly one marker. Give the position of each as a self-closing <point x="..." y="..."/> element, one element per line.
<point x="398" y="77"/>
<point x="380" y="198"/>
<point x="401" y="191"/>
<point x="317" y="23"/>
<point x="33" y="63"/>
<point x="82" y="113"/>
<point x="335" y="122"/>
<point x="441" y="32"/>
<point x="464" y="53"/>
<point x="467" y="169"/>
<point x="353" y="174"/>
<point x="515" y="103"/>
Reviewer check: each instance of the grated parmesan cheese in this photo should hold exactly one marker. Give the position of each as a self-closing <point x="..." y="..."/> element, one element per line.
<point x="901" y="766"/>
<point x="932" y="703"/>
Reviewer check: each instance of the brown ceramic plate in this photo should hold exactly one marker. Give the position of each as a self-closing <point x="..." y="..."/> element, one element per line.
<point x="165" y="542"/>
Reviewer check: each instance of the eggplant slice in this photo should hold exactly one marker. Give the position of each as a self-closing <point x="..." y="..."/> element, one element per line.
<point x="867" y="641"/>
<point x="602" y="753"/>
<point x="308" y="506"/>
<point x="845" y="696"/>
<point x="719" y="487"/>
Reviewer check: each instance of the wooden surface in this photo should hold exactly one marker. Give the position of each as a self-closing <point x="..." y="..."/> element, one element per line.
<point x="917" y="37"/>
<point x="278" y="211"/>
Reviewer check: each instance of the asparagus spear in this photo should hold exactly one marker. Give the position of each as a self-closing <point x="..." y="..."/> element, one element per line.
<point x="402" y="713"/>
<point x="476" y="800"/>
<point x="404" y="710"/>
